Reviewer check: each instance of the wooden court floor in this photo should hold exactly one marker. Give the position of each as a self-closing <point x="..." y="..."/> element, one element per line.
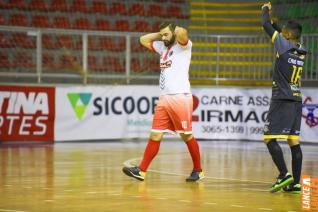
<point x="87" y="176"/>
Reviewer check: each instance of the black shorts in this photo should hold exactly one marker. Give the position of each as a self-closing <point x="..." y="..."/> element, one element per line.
<point x="283" y="120"/>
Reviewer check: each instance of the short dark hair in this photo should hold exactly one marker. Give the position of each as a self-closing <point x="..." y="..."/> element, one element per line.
<point x="171" y="26"/>
<point x="295" y="28"/>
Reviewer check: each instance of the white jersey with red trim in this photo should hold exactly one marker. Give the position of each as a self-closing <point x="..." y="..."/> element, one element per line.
<point x="174" y="65"/>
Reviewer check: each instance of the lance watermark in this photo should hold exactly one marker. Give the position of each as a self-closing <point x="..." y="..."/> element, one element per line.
<point x="309" y="193"/>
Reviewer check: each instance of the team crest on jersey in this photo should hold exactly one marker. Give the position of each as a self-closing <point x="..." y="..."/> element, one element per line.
<point x="166" y="64"/>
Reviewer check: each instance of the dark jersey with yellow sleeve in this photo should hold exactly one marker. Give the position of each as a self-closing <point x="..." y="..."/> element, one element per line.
<point x="288" y="68"/>
<point x="289" y="63"/>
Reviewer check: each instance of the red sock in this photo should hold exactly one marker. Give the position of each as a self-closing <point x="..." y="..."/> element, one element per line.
<point x="194" y="150"/>
<point x="150" y="152"/>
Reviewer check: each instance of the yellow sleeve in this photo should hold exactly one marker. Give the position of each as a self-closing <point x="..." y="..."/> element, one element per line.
<point x="274" y="36"/>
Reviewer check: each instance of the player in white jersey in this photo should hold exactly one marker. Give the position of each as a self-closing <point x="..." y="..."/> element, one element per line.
<point x="173" y="112"/>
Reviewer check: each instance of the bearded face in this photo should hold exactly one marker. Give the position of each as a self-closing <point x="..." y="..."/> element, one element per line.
<point x="169" y="43"/>
<point x="167" y="36"/>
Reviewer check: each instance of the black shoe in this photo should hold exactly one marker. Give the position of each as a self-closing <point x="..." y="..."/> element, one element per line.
<point x="135" y="172"/>
<point x="282" y="182"/>
<point x="195" y="175"/>
<point x="292" y="188"/>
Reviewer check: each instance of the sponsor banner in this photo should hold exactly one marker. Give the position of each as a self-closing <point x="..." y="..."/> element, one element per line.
<point x="240" y="113"/>
<point x="27" y="113"/>
<point x="108" y="112"/>
<point x="116" y="112"/>
<point x="230" y="113"/>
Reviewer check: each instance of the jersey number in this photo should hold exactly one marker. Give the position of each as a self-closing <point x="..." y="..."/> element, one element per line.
<point x="296" y="75"/>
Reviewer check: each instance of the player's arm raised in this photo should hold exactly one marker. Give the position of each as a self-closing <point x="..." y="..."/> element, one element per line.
<point x="181" y="35"/>
<point x="147" y="39"/>
<point x="266" y="20"/>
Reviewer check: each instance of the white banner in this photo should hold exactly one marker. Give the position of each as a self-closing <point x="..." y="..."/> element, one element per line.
<point x="230" y="113"/>
<point x="108" y="112"/>
<point x="116" y="112"/>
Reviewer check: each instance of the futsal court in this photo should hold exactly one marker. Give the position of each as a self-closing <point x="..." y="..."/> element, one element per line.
<point x="87" y="176"/>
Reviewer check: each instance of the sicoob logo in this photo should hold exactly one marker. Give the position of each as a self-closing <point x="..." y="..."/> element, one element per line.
<point x="79" y="102"/>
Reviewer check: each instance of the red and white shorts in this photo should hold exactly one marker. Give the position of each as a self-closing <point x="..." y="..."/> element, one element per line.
<point x="173" y="113"/>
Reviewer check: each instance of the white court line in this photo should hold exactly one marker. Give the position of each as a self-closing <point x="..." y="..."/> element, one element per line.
<point x="238" y="206"/>
<point x="99" y="192"/>
<point x="183" y="200"/>
<point x="128" y="163"/>
<point x="91" y="192"/>
<point x="114" y="194"/>
<point x="210" y="203"/>
<point x="10" y="210"/>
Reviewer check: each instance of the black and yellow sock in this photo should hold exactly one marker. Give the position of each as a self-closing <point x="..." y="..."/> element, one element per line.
<point x="297" y="158"/>
<point x="277" y="156"/>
